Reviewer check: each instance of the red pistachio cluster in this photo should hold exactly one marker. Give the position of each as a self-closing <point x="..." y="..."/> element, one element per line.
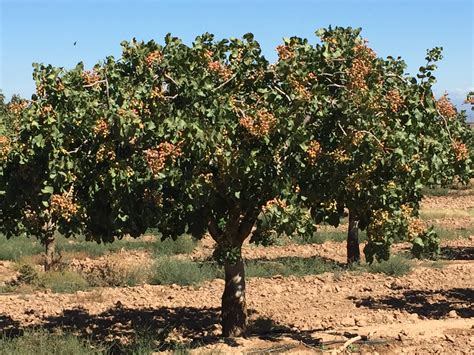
<point x="156" y="158"/>
<point x="153" y="58"/>
<point x="63" y="206"/>
<point x="259" y="125"/>
<point x="361" y="67"/>
<point x="460" y="150"/>
<point x="445" y="107"/>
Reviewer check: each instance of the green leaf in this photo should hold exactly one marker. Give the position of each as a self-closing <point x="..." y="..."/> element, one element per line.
<point x="47" y="190"/>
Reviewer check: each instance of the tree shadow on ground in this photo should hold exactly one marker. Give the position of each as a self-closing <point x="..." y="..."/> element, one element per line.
<point x="8" y="326"/>
<point x="457" y="253"/>
<point x="123" y="330"/>
<point x="429" y="304"/>
<point x="267" y="329"/>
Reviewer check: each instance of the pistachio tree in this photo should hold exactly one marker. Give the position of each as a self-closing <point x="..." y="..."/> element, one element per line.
<point x="183" y="139"/>
<point x="211" y="138"/>
<point x="37" y="167"/>
<point x="378" y="137"/>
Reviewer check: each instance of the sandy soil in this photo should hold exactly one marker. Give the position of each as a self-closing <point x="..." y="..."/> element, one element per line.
<point x="428" y="311"/>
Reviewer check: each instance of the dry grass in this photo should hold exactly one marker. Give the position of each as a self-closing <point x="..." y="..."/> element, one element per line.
<point x="433" y="213"/>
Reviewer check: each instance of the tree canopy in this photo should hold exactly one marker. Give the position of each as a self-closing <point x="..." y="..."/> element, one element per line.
<point x="209" y="138"/>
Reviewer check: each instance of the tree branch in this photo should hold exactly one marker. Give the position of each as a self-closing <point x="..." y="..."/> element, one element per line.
<point x="342" y="129"/>
<point x="107" y="90"/>
<point x="248" y="222"/>
<point x="373" y="135"/>
<point x="171" y="79"/>
<point x="282" y="92"/>
<point x="213" y="228"/>
<point x="77" y="149"/>
<point x="446" y="125"/>
<point x="93" y="84"/>
<point x="225" y="82"/>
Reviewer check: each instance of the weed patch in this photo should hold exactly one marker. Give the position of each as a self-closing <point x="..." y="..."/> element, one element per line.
<point x="62" y="281"/>
<point x="184" y="244"/>
<point x="395" y="266"/>
<point x="16" y="248"/>
<point x="433" y="213"/>
<point x="113" y="273"/>
<point x="29" y="278"/>
<point x="450" y="234"/>
<point x="182" y="272"/>
<point x="21" y="248"/>
<point x="40" y="342"/>
<point x="290" y="266"/>
<point x="321" y="237"/>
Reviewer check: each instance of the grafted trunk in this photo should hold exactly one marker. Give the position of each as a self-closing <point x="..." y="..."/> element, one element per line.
<point x="353" y="251"/>
<point x="234" y="308"/>
<point x="50" y="252"/>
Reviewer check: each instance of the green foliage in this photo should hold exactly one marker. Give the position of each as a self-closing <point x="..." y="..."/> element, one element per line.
<point x="43" y="343"/>
<point x="283" y="218"/>
<point x="426" y="245"/>
<point x="470" y="99"/>
<point x="184" y="244"/>
<point x="17" y="248"/>
<point x="62" y="281"/>
<point x="57" y="281"/>
<point x="286" y="266"/>
<point x="227" y="254"/>
<point x="200" y="138"/>
<point x="189" y="138"/>
<point x="321" y="237"/>
<point x="182" y="272"/>
<point x="394" y="266"/>
<point x="113" y="273"/>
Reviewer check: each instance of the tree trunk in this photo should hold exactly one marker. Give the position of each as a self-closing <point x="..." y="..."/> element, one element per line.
<point x="353" y="251"/>
<point x="234" y="308"/>
<point x="50" y="254"/>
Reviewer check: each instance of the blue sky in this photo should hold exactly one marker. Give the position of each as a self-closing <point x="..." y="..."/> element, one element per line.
<point x="44" y="31"/>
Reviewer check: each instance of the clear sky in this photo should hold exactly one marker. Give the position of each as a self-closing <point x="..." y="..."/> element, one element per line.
<point x="45" y="30"/>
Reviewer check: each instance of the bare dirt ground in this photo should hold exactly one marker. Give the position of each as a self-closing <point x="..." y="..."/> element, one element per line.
<point x="428" y="311"/>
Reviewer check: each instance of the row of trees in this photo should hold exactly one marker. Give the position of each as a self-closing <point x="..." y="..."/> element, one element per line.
<point x="212" y="138"/>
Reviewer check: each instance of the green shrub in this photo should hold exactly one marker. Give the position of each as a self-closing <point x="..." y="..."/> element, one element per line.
<point x="27" y="274"/>
<point x="93" y="249"/>
<point x="449" y="234"/>
<point x="40" y="342"/>
<point x="395" y="266"/>
<point x="182" y="272"/>
<point x="15" y="248"/>
<point x="114" y="273"/>
<point x="290" y="266"/>
<point x="321" y="237"/>
<point x="426" y="245"/>
<point x="62" y="281"/>
<point x="56" y="281"/>
<point x="184" y="244"/>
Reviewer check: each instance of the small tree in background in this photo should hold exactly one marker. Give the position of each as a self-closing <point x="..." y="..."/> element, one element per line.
<point x="38" y="172"/>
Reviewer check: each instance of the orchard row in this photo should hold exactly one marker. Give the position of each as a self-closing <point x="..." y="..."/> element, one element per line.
<point x="212" y="138"/>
